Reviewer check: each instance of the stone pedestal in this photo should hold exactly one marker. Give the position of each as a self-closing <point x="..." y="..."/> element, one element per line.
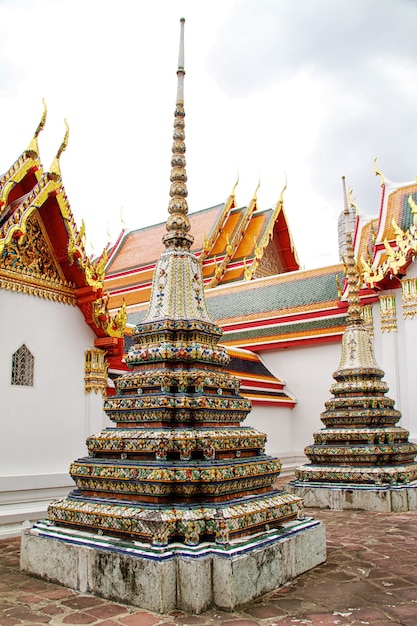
<point x="189" y="578"/>
<point x="378" y="498"/>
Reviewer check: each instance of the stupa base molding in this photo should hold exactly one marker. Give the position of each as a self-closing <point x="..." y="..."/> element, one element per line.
<point x="189" y="578"/>
<point x="345" y="496"/>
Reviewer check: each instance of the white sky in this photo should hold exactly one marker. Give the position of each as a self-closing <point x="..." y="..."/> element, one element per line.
<point x="310" y="89"/>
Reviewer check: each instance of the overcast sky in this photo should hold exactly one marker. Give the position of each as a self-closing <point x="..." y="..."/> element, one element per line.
<point x="311" y="90"/>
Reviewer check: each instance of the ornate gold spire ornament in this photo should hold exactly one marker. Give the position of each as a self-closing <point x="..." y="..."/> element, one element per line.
<point x="378" y="173"/>
<point x="178" y="224"/>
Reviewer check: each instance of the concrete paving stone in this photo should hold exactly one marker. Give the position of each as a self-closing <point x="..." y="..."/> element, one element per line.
<point x="21" y="612"/>
<point x="185" y="618"/>
<point x="324" y="619"/>
<point x="140" y="618"/>
<point x="9" y="622"/>
<point x="262" y="611"/>
<point x="51" y="609"/>
<point x="31" y="599"/>
<point x="239" y="622"/>
<point x="368" y="615"/>
<point x="57" y="593"/>
<point x="392" y="583"/>
<point x="402" y="612"/>
<point x="107" y="610"/>
<point x="381" y="598"/>
<point x="82" y="602"/>
<point x="79" y="618"/>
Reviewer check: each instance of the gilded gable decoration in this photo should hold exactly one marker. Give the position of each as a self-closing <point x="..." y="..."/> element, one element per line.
<point x="397" y="253"/>
<point x="27" y="266"/>
<point x="409" y="297"/>
<point x="388" y="311"/>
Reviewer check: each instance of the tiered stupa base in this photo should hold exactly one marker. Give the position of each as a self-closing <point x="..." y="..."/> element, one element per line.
<point x="382" y="497"/>
<point x="188" y="578"/>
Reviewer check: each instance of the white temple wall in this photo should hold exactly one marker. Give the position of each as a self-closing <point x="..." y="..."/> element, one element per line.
<point x="395" y="354"/>
<point x="44" y="427"/>
<point x="276" y="423"/>
<point x="307" y="372"/>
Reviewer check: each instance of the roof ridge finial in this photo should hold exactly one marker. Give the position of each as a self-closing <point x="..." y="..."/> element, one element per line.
<point x="33" y="149"/>
<point x="352" y="274"/>
<point x="55" y="169"/>
<point x="178" y="223"/>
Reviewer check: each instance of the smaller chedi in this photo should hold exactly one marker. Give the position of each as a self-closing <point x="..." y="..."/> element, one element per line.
<point x="175" y="506"/>
<point x="362" y="459"/>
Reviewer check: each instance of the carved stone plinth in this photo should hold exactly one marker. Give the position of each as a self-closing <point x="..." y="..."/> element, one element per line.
<point x="191" y="579"/>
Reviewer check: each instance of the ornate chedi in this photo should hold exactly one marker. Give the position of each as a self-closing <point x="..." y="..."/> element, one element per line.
<point x="178" y="472"/>
<point x="361" y="443"/>
<point x="178" y="462"/>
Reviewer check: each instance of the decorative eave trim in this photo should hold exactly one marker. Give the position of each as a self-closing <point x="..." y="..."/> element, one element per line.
<point x="215" y="231"/>
<point x="233" y="245"/>
<point x="398" y="255"/>
<point x="38" y="286"/>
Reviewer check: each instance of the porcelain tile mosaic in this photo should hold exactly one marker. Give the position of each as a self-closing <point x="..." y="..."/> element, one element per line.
<point x="360" y="443"/>
<point x="177" y="466"/>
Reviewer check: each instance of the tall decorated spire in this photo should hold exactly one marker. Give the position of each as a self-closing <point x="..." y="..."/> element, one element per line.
<point x="353" y="278"/>
<point x="178" y="476"/>
<point x="178" y="224"/>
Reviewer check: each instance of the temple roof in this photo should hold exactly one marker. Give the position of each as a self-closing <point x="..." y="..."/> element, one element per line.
<point x="232" y="243"/>
<point x="41" y="249"/>
<point x="385" y="245"/>
<point x="277" y="311"/>
<point x="257" y="383"/>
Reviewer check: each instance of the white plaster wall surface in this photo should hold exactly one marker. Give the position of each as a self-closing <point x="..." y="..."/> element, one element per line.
<point x="307" y="372"/>
<point x="44" y="426"/>
<point x="395" y="354"/>
<point x="275" y="422"/>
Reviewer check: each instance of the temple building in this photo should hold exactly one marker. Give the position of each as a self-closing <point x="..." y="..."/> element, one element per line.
<point x="55" y="335"/>
<point x="282" y="325"/>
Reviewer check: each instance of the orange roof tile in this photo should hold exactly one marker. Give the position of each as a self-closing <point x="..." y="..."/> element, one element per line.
<point x="144" y="245"/>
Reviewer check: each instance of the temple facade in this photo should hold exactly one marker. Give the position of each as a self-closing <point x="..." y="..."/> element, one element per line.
<point x="282" y="325"/>
<point x="53" y="370"/>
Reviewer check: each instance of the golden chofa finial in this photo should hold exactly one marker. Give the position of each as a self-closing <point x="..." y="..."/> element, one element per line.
<point x="233" y="194"/>
<point x="255" y="193"/>
<point x="55" y="169"/>
<point x="378" y="173"/>
<point x="351" y="200"/>
<point x="32" y="149"/>
<point x="281" y="195"/>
